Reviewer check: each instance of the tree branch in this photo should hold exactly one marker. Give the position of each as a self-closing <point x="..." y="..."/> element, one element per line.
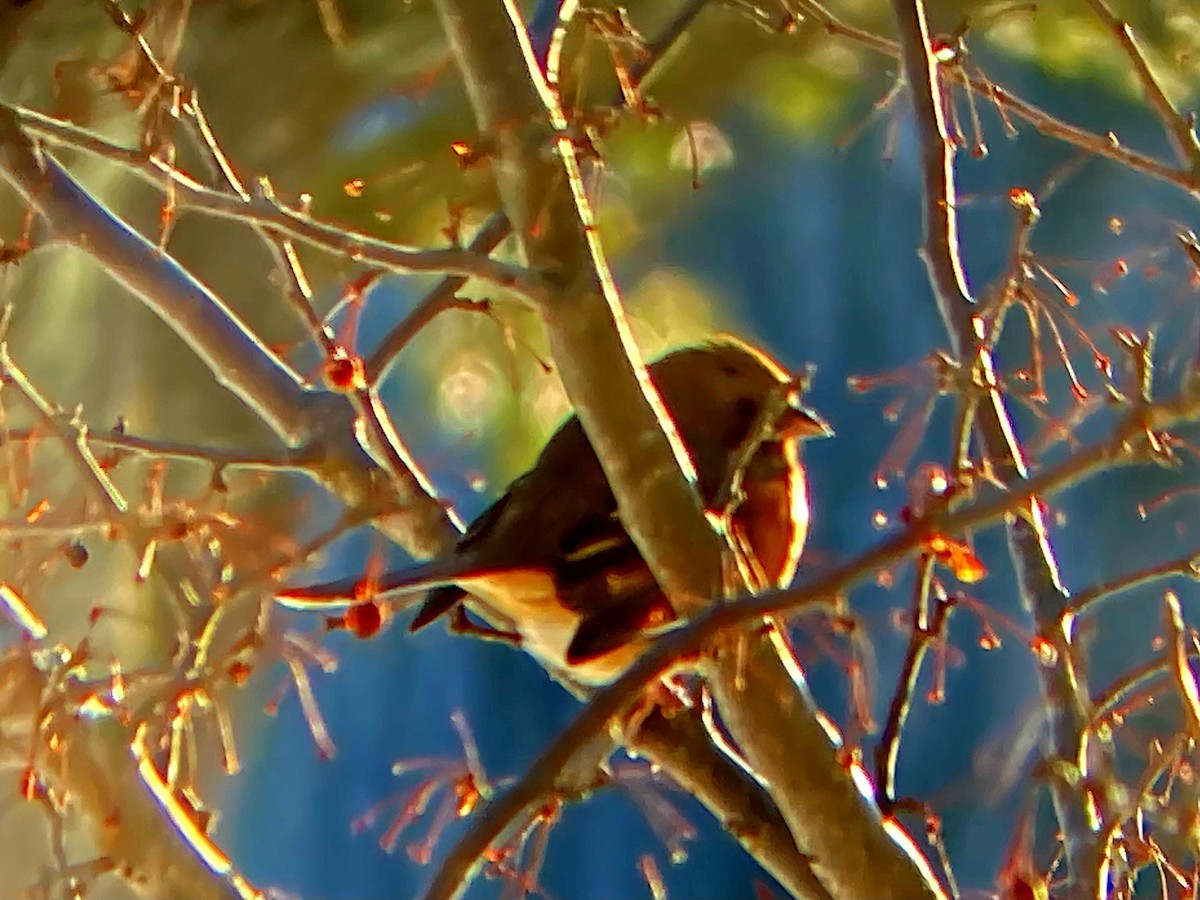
<point x="1181" y="132"/>
<point x="1037" y="570"/>
<point x="267" y="212"/>
<point x="240" y="362"/>
<point x="833" y="821"/>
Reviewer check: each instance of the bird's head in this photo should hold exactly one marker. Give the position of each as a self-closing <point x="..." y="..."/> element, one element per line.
<point x="722" y="392"/>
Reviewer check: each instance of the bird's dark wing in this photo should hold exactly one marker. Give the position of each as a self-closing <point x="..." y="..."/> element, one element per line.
<point x="601" y="576"/>
<point x="609" y="628"/>
<point x="437" y="603"/>
<point x="594" y="546"/>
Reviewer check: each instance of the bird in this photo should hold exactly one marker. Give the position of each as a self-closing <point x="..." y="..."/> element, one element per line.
<point x="549" y="564"/>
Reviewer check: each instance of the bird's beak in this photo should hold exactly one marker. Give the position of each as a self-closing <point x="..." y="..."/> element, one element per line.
<point x="798" y="422"/>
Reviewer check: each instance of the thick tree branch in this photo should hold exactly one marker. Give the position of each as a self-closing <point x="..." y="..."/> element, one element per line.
<point x="538" y="178"/>
<point x="497" y="228"/>
<point x="833" y="822"/>
<point x="683" y="751"/>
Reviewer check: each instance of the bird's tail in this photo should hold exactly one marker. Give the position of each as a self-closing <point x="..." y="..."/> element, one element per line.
<point x="333" y="596"/>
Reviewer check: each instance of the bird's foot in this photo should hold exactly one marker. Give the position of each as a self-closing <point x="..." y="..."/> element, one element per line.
<point x="460" y="623"/>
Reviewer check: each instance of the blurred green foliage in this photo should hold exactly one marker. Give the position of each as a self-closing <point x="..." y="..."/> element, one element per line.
<point x="356" y="103"/>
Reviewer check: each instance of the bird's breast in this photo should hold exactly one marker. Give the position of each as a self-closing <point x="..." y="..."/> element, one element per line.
<point x="772" y="520"/>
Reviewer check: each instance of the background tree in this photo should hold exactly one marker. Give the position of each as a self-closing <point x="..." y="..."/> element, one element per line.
<point x="315" y="199"/>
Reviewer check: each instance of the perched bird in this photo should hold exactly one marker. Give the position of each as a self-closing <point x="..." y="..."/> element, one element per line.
<point x="550" y="562"/>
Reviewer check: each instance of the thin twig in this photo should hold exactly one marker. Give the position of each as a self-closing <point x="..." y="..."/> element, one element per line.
<point x="1104" y="145"/>
<point x="1180" y="129"/>
<point x="927" y="626"/>
<point x="1140" y="683"/>
<point x="268" y="212"/>
<point x="1177" y="653"/>
<point x="73" y="434"/>
<point x="1064" y="694"/>
<point x="1084" y="602"/>
<point x="442" y="297"/>
<point x="220" y="457"/>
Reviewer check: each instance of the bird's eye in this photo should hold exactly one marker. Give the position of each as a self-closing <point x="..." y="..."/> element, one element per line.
<point x="747" y="408"/>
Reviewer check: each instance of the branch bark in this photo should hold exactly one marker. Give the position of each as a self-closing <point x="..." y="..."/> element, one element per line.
<point x="833" y="821"/>
<point x="538" y="177"/>
<point x="236" y="357"/>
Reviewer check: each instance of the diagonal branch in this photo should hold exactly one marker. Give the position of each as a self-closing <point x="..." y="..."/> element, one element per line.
<point x="236" y="357"/>
<point x="1180" y="129"/>
<point x="322" y="423"/>
<point x="855" y="852"/>
<point x="267" y="212"/>
<point x="441" y="297"/>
